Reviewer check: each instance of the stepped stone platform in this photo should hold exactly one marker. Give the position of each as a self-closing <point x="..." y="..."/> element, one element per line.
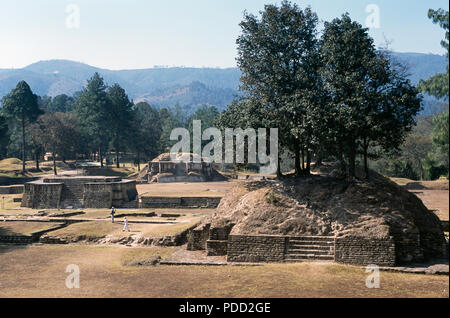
<point x="78" y="192"/>
<point x="181" y="167"/>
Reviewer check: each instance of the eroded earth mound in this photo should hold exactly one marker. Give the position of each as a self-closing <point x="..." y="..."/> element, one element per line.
<point x="326" y="206"/>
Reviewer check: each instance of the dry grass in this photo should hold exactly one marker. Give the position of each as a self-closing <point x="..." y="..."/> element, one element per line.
<point x="7" y="202"/>
<point x="435" y="200"/>
<point x="12" y="167"/>
<point x="180" y="189"/>
<point x="160" y="230"/>
<point x="110" y="171"/>
<point x="24" y="228"/>
<point x="39" y="271"/>
<point x="131" y="257"/>
<point x="87" y="230"/>
<point x="434" y="194"/>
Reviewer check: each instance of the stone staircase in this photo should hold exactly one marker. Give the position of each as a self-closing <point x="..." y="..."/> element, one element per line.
<point x="72" y="196"/>
<point x="310" y="248"/>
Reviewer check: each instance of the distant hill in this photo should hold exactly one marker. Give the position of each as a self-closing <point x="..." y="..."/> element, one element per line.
<point x="165" y="87"/>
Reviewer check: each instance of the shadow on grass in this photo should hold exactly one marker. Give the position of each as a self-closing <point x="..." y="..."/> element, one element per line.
<point x="108" y="172"/>
<point x="7" y="247"/>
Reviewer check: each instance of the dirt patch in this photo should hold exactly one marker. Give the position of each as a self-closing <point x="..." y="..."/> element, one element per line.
<point x="436" y="201"/>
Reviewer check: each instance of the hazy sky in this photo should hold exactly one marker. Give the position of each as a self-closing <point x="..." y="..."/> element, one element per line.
<point x="127" y="34"/>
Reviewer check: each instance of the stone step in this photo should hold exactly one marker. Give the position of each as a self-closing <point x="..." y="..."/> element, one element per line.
<point x="313" y="238"/>
<point x="308" y="252"/>
<point x="300" y="257"/>
<point x="322" y="243"/>
<point x="312" y="247"/>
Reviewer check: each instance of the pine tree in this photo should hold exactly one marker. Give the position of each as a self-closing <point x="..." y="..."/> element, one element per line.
<point x="21" y="106"/>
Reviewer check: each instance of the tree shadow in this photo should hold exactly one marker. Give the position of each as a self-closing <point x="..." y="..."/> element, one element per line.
<point x="6" y="247"/>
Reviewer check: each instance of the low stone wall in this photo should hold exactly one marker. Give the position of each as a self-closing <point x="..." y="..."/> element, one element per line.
<point x="198" y="237"/>
<point x="12" y="189"/>
<point x="361" y="251"/>
<point x="179" y="202"/>
<point x="201" y="202"/>
<point x="246" y="248"/>
<point x="42" y="195"/>
<point x="167" y="179"/>
<point x="78" y="192"/>
<point x="16" y="239"/>
<point x="159" y="202"/>
<point x="216" y="248"/>
<point x="408" y="247"/>
<point x="388" y="251"/>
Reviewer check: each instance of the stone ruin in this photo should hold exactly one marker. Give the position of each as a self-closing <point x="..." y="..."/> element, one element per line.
<point x="360" y="222"/>
<point x="165" y="169"/>
<point x="78" y="192"/>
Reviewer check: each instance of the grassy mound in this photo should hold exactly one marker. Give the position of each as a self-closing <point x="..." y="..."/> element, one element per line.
<point x="10" y="161"/>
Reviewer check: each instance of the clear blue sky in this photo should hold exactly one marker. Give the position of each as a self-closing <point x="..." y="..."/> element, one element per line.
<point x="127" y="34"/>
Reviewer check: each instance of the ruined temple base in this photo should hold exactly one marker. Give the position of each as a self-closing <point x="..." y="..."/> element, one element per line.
<point x="78" y="192"/>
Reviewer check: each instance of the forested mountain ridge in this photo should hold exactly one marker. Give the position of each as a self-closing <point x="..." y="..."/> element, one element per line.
<point x="168" y="86"/>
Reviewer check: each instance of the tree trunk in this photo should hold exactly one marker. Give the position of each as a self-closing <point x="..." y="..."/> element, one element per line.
<point x="23" y="144"/>
<point x="303" y="159"/>
<point x="54" y="163"/>
<point x="308" y="163"/>
<point x="352" y="161"/>
<point x="139" y="162"/>
<point x="100" y="156"/>
<point x="319" y="160"/>
<point x="297" y="161"/>
<point x="279" y="175"/>
<point x="342" y="159"/>
<point x="36" y="158"/>
<point x="422" y="171"/>
<point x="366" y="166"/>
<point x="117" y="159"/>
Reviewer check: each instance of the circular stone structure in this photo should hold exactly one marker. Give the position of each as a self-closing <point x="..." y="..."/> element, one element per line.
<point x="78" y="192"/>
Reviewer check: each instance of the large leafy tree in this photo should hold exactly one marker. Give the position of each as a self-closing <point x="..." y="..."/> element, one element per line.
<point x="21" y="106"/>
<point x="57" y="133"/>
<point x="4" y="135"/>
<point x="170" y="119"/>
<point x="119" y="119"/>
<point x="206" y="114"/>
<point x="92" y="109"/>
<point x="437" y="85"/>
<point x="146" y="132"/>
<point x="440" y="136"/>
<point x="278" y="57"/>
<point x="370" y="101"/>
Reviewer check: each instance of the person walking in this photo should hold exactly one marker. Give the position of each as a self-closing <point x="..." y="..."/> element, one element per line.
<point x="113" y="211"/>
<point x="125" y="225"/>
